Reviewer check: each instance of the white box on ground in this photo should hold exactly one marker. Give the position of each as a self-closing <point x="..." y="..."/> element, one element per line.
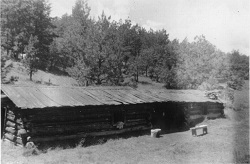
<point x="155" y="133"/>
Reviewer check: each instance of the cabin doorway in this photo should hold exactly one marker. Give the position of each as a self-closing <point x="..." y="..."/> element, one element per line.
<point x="169" y="118"/>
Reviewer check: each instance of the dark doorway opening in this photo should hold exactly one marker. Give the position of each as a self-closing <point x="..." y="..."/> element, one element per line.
<point x="169" y="118"/>
<point x="118" y="116"/>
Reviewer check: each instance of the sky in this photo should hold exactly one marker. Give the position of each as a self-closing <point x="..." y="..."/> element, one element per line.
<point x="224" y="23"/>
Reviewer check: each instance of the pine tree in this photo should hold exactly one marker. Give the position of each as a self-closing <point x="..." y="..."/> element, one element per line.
<point x="31" y="61"/>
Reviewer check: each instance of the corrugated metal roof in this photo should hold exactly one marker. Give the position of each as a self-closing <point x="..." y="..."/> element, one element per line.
<point x="54" y="96"/>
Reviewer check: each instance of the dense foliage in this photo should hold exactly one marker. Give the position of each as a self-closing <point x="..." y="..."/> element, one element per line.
<point x="105" y="52"/>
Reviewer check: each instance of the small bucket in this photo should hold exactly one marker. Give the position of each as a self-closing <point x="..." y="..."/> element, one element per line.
<point x="155" y="133"/>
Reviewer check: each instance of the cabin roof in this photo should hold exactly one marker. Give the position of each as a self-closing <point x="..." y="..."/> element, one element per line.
<point x="29" y="97"/>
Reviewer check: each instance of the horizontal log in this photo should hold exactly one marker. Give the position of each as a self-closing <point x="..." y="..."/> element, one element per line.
<point x="68" y="111"/>
<point x="14" y="125"/>
<point x="137" y="116"/>
<point x="195" y="109"/>
<point x="137" y="112"/>
<point x="134" y="120"/>
<point x="11" y="130"/>
<point x="214" y="115"/>
<point x="195" y="112"/>
<point x="13" y="138"/>
<point x="16" y="144"/>
<point x="214" y="109"/>
<point x="10" y="112"/>
<point x="82" y="135"/>
<point x="56" y="118"/>
<point x="73" y="115"/>
<point x="12" y="118"/>
<point x="135" y="124"/>
<point x="68" y="129"/>
<point x="214" y="104"/>
<point x="214" y="112"/>
<point x="87" y="118"/>
<point x="76" y="122"/>
<point x="193" y="117"/>
<point x="18" y="133"/>
<point x="85" y="115"/>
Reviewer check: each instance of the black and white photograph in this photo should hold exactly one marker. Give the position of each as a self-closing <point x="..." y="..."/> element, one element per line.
<point x="125" y="81"/>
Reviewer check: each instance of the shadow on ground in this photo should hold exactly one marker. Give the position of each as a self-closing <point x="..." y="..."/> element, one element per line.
<point x="88" y="141"/>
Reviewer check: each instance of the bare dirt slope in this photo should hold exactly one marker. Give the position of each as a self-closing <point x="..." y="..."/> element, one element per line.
<point x="227" y="141"/>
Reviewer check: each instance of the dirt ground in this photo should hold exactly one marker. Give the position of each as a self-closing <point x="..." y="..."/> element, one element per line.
<point x="227" y="141"/>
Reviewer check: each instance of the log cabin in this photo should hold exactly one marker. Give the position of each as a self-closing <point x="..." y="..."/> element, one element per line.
<point x="47" y="113"/>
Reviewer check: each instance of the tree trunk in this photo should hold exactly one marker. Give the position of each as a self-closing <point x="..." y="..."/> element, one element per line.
<point x="98" y="81"/>
<point x="137" y="74"/>
<point x="15" y="56"/>
<point x="31" y="75"/>
<point x="99" y="74"/>
<point x="157" y="78"/>
<point x="51" y="65"/>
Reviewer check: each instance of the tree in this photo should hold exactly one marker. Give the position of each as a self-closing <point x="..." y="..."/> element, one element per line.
<point x="115" y="60"/>
<point x="98" y="49"/>
<point x="238" y="69"/>
<point x="80" y="72"/>
<point x="135" y="46"/>
<point x="15" y="23"/>
<point x="159" y="56"/>
<point x="101" y="52"/>
<point x="4" y="68"/>
<point x="195" y="63"/>
<point x="31" y="59"/>
<point x="75" y="35"/>
<point x="42" y="26"/>
<point x="23" y="18"/>
<point x="169" y="69"/>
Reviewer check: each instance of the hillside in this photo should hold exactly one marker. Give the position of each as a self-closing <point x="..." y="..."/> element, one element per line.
<point x="45" y="78"/>
<point x="40" y="77"/>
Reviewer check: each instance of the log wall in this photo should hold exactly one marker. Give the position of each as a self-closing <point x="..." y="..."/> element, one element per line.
<point x="38" y="125"/>
<point x="214" y="110"/>
<point x="197" y="112"/>
<point x="59" y="123"/>
<point x="14" y="129"/>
